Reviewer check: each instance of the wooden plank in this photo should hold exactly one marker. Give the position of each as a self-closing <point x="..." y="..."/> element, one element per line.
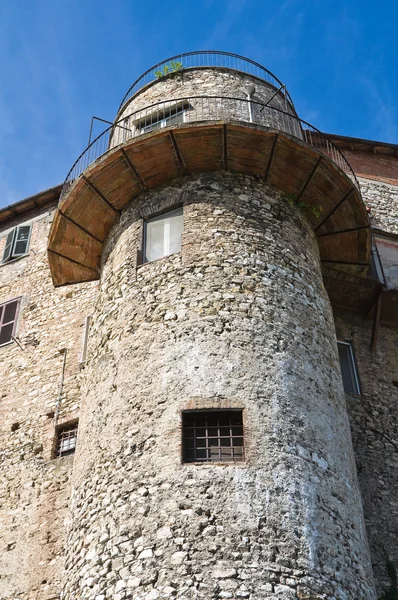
<point x="72" y="242"/>
<point x="350" y="213"/>
<point x="83" y="206"/>
<point x="248" y="151"/>
<point x="153" y="158"/>
<point x="326" y="189"/>
<point x="115" y="180"/>
<point x="65" y="272"/>
<point x="291" y="166"/>
<point x="201" y="148"/>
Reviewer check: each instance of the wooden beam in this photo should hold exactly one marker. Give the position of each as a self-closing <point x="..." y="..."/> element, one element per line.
<point x="134" y="171"/>
<point x="271" y="157"/>
<point x="64" y="216"/>
<point x="345" y="262"/>
<point x="225" y="147"/>
<point x="344" y="231"/>
<point x="177" y="154"/>
<point x="76" y="262"/>
<point x="100" y="195"/>
<point x="307" y="181"/>
<point x="344" y="198"/>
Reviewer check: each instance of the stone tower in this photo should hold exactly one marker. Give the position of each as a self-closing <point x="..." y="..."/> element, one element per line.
<point x="214" y="457"/>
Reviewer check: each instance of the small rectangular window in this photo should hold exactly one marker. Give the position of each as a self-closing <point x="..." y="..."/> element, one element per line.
<point x="348" y="368"/>
<point x="66" y="440"/>
<point x="162" y="235"/>
<point x="168" y="115"/>
<point x="17" y="242"/>
<point x="214" y="436"/>
<point x="8" y="320"/>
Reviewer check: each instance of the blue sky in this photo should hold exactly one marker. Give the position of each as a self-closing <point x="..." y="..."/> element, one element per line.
<point x="64" y="61"/>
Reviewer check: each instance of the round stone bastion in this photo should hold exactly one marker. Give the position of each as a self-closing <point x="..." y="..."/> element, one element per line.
<point x="238" y="320"/>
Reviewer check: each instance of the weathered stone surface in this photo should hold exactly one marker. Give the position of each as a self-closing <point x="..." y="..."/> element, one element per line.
<point x="256" y="332"/>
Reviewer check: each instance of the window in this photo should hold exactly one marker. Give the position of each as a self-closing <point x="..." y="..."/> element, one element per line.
<point x="8" y="320"/>
<point x="66" y="440"/>
<point x="348" y="368"/>
<point x="17" y="242"/>
<point x="162" y="235"/>
<point x="162" y="118"/>
<point x="212" y="436"/>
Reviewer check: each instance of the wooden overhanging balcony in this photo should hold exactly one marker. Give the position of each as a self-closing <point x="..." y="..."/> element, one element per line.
<point x="185" y="135"/>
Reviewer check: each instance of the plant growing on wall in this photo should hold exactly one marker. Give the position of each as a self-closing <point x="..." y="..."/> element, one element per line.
<point x="392" y="592"/>
<point x="315" y="209"/>
<point x="173" y="67"/>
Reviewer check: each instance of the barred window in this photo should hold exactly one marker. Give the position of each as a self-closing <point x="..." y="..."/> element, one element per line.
<point x="66" y="440"/>
<point x="17" y="242"/>
<point x="214" y="436"/>
<point x="8" y="320"/>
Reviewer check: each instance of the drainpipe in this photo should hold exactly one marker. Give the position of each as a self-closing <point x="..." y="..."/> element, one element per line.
<point x="249" y="95"/>
<point x="61" y="386"/>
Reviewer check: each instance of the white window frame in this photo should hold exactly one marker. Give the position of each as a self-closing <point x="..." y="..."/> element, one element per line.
<point x="159" y="122"/>
<point x="353" y="368"/>
<point x="167" y="234"/>
<point x="15" y="320"/>
<point x="12" y="240"/>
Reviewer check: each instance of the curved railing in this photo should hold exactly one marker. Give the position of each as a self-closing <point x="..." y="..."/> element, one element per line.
<point x="207" y="58"/>
<point x="193" y="109"/>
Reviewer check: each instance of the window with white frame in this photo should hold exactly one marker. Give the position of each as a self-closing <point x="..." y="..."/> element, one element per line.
<point x="168" y="115"/>
<point x="8" y="320"/>
<point x="17" y="242"/>
<point x="348" y="368"/>
<point x="162" y="235"/>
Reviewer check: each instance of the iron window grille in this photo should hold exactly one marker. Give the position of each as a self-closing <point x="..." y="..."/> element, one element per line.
<point x="348" y="368"/>
<point x="162" y="235"/>
<point x="17" y="242"/>
<point x="214" y="436"/>
<point x="66" y="440"/>
<point x="8" y="320"/>
<point x="169" y="115"/>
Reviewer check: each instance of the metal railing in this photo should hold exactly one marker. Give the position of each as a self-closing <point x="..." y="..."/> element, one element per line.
<point x="207" y="58"/>
<point x="194" y="109"/>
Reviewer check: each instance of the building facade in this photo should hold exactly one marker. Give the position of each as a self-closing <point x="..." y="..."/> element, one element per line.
<point x="198" y="345"/>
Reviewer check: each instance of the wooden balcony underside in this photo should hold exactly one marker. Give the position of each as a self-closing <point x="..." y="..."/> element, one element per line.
<point x="94" y="202"/>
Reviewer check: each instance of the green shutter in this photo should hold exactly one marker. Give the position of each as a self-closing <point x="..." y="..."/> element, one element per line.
<point x="9" y="245"/>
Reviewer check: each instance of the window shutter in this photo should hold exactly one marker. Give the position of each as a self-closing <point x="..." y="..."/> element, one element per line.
<point x="8" y="317"/>
<point x="22" y="240"/>
<point x="9" y="244"/>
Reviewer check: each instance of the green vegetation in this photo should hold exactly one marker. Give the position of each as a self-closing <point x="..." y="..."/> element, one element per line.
<point x="173" y="67"/>
<point x="392" y="592"/>
<point x="315" y="209"/>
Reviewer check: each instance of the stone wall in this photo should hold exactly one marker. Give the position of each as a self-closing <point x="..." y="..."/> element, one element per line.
<point x="382" y="198"/>
<point x="374" y="422"/>
<point x="240" y="319"/>
<point x="34" y="489"/>
<point x="210" y="82"/>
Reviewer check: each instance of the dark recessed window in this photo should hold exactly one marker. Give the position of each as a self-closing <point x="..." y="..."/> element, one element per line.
<point x="348" y="368"/>
<point x="214" y="436"/>
<point x="8" y="320"/>
<point x="162" y="235"/>
<point x="66" y="440"/>
<point x="17" y="243"/>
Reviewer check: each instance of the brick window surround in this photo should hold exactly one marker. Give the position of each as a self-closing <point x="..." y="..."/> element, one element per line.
<point x="212" y="436"/>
